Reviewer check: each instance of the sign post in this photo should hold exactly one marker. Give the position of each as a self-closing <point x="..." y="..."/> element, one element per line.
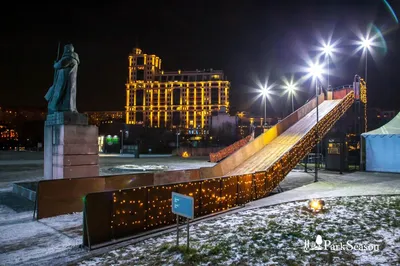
<point x="182" y="205"/>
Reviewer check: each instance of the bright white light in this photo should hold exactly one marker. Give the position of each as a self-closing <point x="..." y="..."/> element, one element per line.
<point x="366" y="43"/>
<point x="291" y="88"/>
<point x="264" y="91"/>
<point x="328" y="49"/>
<point x="315" y="70"/>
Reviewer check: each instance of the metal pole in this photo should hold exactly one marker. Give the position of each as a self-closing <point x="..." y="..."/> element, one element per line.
<point x="177" y="143"/>
<point x="366" y="65"/>
<point x="316" y="138"/>
<point x="328" y="71"/>
<point x="292" y="102"/>
<point x="122" y="141"/>
<point x="177" y="230"/>
<point x="265" y="111"/>
<point x="187" y="247"/>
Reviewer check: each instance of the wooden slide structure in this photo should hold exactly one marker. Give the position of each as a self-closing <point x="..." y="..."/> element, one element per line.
<point x="282" y="147"/>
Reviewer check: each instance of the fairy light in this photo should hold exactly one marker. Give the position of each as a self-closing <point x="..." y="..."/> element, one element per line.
<point x="144" y="208"/>
<point x="225" y="152"/>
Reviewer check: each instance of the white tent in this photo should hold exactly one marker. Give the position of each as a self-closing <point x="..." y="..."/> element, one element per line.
<point x="382" y="147"/>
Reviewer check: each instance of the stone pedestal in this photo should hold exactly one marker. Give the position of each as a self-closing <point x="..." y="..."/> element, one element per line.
<point x="70" y="146"/>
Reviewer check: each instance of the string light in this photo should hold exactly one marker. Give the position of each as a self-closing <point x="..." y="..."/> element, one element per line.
<point x="363" y="98"/>
<point x="225" y="152"/>
<point x="144" y="208"/>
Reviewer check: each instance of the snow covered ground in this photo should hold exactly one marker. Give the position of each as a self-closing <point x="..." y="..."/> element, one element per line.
<point x="140" y="168"/>
<point x="23" y="240"/>
<point x="354" y="230"/>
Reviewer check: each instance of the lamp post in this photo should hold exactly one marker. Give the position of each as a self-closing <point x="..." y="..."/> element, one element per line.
<point x="177" y="141"/>
<point x="315" y="71"/>
<point x="291" y="88"/>
<point x="264" y="93"/>
<point x="366" y="44"/>
<point x="328" y="49"/>
<point x="122" y="141"/>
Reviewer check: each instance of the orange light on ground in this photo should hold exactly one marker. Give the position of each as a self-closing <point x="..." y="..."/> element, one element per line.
<point x="316" y="205"/>
<point x="185" y="154"/>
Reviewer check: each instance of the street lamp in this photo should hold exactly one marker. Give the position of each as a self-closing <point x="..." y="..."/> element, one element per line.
<point x="122" y="139"/>
<point x="328" y="50"/>
<point x="290" y="88"/>
<point x="315" y="71"/>
<point x="177" y="141"/>
<point x="264" y="93"/>
<point x="366" y="45"/>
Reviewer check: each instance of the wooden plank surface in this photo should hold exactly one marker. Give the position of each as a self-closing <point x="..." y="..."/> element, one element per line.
<point x="283" y="143"/>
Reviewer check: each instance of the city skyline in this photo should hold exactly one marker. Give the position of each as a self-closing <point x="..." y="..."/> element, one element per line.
<point x="247" y="41"/>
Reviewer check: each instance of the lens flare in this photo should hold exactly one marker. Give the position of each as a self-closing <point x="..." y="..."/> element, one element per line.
<point x="390" y="9"/>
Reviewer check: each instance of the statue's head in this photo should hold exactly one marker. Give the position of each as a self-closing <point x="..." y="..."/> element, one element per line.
<point x="68" y="49"/>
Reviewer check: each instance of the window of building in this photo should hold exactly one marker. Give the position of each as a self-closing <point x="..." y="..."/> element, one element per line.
<point x="164" y="78"/>
<point x="139" y="97"/>
<point x="140" y="75"/>
<point x="140" y="60"/>
<point x="214" y="96"/>
<point x="199" y="77"/>
<point x="192" y="78"/>
<point x="176" y="118"/>
<point x="177" y="97"/>
<point x="215" y="77"/>
<point x="334" y="148"/>
<point x="139" y="117"/>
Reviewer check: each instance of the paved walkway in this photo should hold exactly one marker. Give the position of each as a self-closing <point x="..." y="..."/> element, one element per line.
<point x="334" y="185"/>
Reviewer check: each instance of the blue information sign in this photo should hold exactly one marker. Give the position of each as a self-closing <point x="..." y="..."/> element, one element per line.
<point x="183" y="205"/>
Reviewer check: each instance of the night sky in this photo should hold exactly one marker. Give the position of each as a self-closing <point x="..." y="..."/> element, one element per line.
<point x="246" y="39"/>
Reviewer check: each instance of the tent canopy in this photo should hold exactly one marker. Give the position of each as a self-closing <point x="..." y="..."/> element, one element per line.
<point x="390" y="128"/>
<point x="382" y="147"/>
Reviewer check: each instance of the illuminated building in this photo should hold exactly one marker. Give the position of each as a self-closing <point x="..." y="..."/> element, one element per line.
<point x="105" y="116"/>
<point x="156" y="98"/>
<point x="7" y="134"/>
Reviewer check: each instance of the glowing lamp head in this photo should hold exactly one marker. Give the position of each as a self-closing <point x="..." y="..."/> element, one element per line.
<point x="291" y="88"/>
<point x="366" y="43"/>
<point x="264" y="91"/>
<point x="315" y="70"/>
<point x="327" y="49"/>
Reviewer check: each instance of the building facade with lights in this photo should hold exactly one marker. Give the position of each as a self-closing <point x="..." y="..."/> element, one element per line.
<point x="161" y="99"/>
<point x="98" y="117"/>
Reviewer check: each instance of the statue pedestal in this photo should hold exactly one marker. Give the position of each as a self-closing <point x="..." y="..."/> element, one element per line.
<point x="70" y="146"/>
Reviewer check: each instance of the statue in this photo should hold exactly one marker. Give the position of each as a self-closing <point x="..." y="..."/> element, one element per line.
<point x="61" y="97"/>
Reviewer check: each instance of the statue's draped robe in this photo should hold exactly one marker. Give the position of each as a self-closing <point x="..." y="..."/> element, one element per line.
<point x="61" y="96"/>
